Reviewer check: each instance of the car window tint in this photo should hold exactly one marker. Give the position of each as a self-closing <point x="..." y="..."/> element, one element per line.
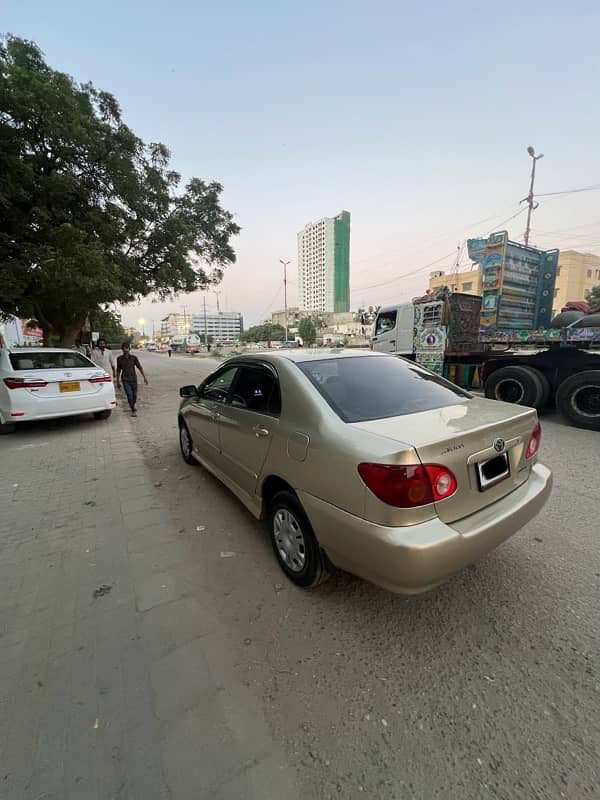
<point x="217" y="388"/>
<point x="38" y="359"/>
<point x="257" y="389"/>
<point x="385" y="322"/>
<point x="374" y="387"/>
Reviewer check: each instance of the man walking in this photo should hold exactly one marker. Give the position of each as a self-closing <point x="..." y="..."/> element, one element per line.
<point x="126" y="366"/>
<point x="170" y="349"/>
<point x="103" y="358"/>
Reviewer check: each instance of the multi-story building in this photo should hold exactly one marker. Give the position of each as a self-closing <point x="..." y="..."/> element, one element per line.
<point x="224" y="327"/>
<point x="294" y="315"/>
<point x="174" y="325"/>
<point x="576" y="274"/>
<point x="324" y="264"/>
<point x="466" y="282"/>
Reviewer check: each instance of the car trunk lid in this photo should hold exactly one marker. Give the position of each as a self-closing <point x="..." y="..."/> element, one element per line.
<point x="462" y="438"/>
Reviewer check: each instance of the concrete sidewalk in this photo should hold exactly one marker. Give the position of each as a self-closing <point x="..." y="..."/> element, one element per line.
<point x="116" y="680"/>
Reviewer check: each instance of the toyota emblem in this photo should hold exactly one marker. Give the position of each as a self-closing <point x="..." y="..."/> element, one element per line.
<point x="498" y="445"/>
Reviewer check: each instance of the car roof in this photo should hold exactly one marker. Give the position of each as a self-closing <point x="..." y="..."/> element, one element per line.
<point x="300" y="355"/>
<point x="21" y="350"/>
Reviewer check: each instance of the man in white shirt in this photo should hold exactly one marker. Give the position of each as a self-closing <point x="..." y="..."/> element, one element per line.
<point x="104" y="358"/>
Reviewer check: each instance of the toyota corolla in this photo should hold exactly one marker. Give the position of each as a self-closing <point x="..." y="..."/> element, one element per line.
<point x="366" y="462"/>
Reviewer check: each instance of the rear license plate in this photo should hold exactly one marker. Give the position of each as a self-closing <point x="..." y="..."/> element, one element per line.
<point x="70" y="386"/>
<point x="492" y="471"/>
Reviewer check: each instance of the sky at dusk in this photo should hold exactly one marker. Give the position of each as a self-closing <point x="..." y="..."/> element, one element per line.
<point x="413" y="117"/>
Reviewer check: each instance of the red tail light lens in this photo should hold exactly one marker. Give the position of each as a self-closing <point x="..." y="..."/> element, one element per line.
<point x="21" y="383"/>
<point x="408" y="486"/>
<point x="534" y="441"/>
<point x="443" y="482"/>
<point x="101" y="379"/>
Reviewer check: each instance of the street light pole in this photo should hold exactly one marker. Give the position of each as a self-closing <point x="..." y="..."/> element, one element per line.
<point x="529" y="199"/>
<point x="205" y="325"/>
<point x="285" y="266"/>
<point x="216" y="294"/>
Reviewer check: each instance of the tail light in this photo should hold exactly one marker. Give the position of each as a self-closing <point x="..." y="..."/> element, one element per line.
<point x="534" y="441"/>
<point x="408" y="486"/>
<point x="24" y="383"/>
<point x="101" y="379"/>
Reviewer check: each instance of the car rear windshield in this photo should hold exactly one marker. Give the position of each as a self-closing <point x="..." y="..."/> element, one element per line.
<point x="372" y="387"/>
<point x="38" y="359"/>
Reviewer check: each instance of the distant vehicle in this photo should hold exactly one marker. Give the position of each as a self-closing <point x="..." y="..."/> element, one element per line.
<point x="44" y="383"/>
<point x="402" y="486"/>
<point x="190" y="343"/>
<point x="151" y="346"/>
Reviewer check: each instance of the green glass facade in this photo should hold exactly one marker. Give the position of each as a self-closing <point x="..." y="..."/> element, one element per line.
<point x="341" y="277"/>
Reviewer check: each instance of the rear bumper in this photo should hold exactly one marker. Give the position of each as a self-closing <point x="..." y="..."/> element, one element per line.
<point x="416" y="558"/>
<point x="53" y="409"/>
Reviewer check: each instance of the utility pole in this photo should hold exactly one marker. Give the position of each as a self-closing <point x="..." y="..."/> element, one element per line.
<point x="529" y="199"/>
<point x="216" y="294"/>
<point x="285" y="266"/>
<point x="205" y="325"/>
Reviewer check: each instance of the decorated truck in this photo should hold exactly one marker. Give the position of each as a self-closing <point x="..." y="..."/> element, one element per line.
<point x="505" y="341"/>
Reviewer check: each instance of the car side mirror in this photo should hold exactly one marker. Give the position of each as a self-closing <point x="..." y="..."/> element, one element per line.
<point x="188" y="391"/>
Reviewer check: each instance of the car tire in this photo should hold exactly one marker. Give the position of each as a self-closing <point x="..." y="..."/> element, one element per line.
<point x="7" y="427"/>
<point x="102" y="414"/>
<point x="525" y="386"/>
<point x="294" y="542"/>
<point x="186" y="444"/>
<point x="578" y="399"/>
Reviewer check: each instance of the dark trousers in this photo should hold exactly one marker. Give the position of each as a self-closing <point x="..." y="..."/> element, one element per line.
<point x="130" y="390"/>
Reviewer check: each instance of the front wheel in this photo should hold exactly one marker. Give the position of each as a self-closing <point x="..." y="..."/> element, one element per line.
<point x="102" y="414"/>
<point x="294" y="543"/>
<point x="186" y="444"/>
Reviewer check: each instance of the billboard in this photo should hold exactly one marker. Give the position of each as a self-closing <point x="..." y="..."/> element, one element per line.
<point x="517" y="283"/>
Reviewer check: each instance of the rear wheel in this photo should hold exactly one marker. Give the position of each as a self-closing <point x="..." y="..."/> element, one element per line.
<point x="7" y="427"/>
<point x="102" y="414"/>
<point x="186" y="444"/>
<point x="578" y="399"/>
<point x="525" y="386"/>
<point x="295" y="545"/>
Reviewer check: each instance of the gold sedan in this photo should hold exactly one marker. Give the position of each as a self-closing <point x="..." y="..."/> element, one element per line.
<point x="366" y="462"/>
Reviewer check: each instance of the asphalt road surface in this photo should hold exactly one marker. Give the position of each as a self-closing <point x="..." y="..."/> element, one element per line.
<point x="486" y="687"/>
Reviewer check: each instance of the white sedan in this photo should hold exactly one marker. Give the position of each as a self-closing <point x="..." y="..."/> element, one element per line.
<point x="45" y="383"/>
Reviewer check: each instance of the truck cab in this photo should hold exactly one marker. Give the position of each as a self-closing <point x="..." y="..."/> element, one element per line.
<point x="394" y="330"/>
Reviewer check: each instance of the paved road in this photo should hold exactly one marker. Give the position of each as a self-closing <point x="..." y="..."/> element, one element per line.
<point x="486" y="687"/>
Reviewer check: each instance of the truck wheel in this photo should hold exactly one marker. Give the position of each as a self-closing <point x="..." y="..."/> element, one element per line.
<point x="578" y="399"/>
<point x="525" y="386"/>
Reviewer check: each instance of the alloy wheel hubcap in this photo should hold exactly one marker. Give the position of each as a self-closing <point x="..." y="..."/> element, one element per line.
<point x="289" y="540"/>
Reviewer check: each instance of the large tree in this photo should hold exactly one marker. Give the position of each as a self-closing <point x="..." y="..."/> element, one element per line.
<point x="307" y="331"/>
<point x="593" y="297"/>
<point x="264" y="333"/>
<point x="89" y="213"/>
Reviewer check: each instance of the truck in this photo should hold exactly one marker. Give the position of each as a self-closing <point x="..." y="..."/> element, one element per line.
<point x="190" y="343"/>
<point x="504" y="342"/>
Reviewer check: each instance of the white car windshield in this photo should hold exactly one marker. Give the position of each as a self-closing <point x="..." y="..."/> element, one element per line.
<point x="43" y="359"/>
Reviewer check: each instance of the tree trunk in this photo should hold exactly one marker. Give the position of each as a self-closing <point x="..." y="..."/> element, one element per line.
<point x="70" y="333"/>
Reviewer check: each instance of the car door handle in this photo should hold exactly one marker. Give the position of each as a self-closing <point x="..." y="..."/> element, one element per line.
<point x="259" y="431"/>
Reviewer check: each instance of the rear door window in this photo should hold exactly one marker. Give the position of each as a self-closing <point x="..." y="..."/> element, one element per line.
<point x="376" y="387"/>
<point x="257" y="389"/>
<point x="386" y="321"/>
<point x="38" y="359"/>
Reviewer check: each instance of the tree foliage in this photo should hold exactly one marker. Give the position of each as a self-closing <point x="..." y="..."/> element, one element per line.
<point x="593" y="297"/>
<point x="307" y="331"/>
<point x="108" y="324"/>
<point x="264" y="333"/>
<point x="89" y="213"/>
